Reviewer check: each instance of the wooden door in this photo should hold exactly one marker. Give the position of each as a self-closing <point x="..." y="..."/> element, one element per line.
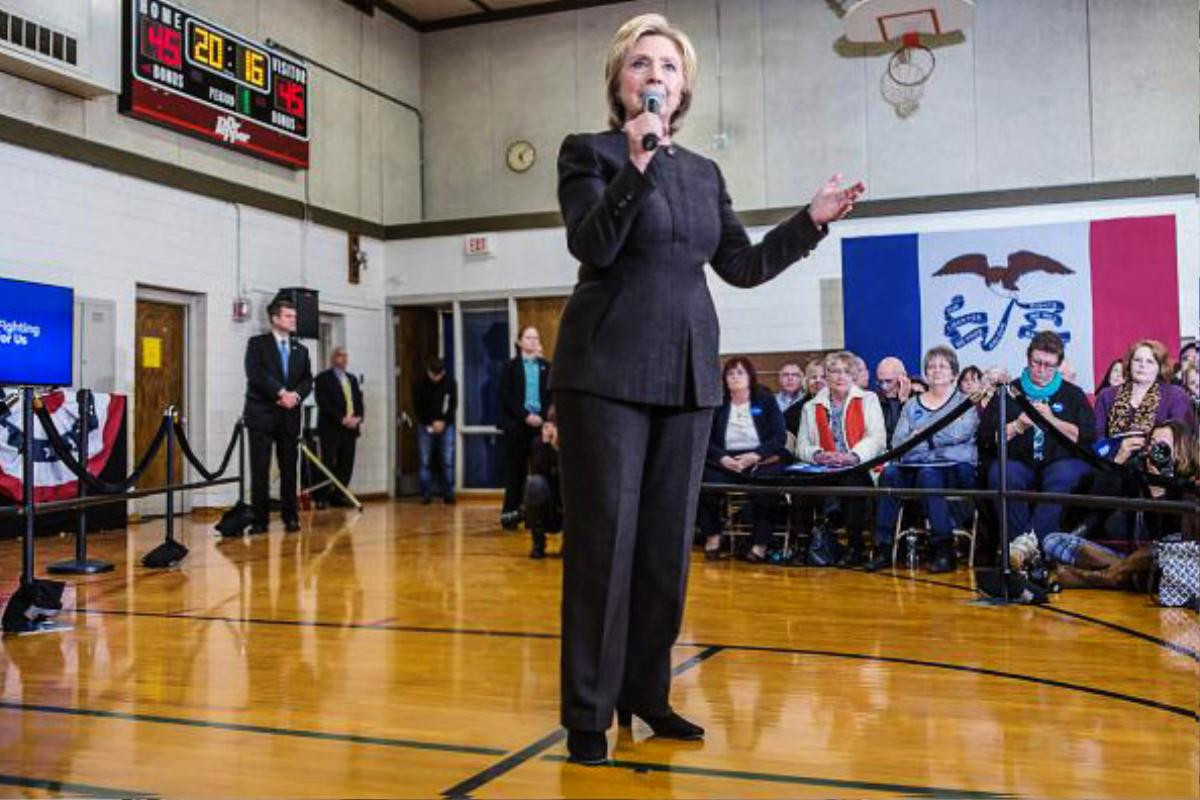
<point x="543" y="313"/>
<point x="416" y="330"/>
<point x="159" y="368"/>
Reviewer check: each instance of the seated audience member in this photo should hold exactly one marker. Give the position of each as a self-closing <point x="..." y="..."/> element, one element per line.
<point x="1113" y="376"/>
<point x="1188" y="357"/>
<point x="970" y="381"/>
<point x="1189" y="379"/>
<point x="947" y="461"/>
<point x="790" y="397"/>
<point x="894" y="388"/>
<point x="1036" y="459"/>
<point x="814" y="377"/>
<point x="1145" y="399"/>
<point x="1086" y="564"/>
<point x="862" y="374"/>
<point x="748" y="438"/>
<point x="841" y="427"/>
<point x="543" y="499"/>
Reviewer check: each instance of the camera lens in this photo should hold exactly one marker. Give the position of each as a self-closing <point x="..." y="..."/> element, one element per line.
<point x="1160" y="455"/>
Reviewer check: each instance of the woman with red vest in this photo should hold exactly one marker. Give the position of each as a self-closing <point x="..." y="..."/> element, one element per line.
<point x="840" y="428"/>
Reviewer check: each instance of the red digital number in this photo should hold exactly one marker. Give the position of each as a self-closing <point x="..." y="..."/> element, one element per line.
<point x="289" y="97"/>
<point x="162" y="44"/>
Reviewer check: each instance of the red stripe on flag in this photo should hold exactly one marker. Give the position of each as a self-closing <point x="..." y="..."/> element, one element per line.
<point x="1135" y="286"/>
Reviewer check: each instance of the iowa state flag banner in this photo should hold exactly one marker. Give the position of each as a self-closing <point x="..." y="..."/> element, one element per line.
<point x="1100" y="285"/>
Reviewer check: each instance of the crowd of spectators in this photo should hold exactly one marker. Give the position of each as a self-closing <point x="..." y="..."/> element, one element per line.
<point x="827" y="419"/>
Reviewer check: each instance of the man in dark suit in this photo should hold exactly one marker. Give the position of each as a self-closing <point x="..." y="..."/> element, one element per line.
<point x="278" y="378"/>
<point x="339" y="421"/>
<point x="524" y="398"/>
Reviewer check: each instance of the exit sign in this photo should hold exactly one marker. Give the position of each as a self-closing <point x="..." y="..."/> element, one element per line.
<point x="482" y="244"/>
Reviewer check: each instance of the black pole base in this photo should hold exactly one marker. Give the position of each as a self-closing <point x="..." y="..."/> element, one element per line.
<point x="167" y="554"/>
<point x="33" y="606"/>
<point x="1011" y="589"/>
<point x="71" y="566"/>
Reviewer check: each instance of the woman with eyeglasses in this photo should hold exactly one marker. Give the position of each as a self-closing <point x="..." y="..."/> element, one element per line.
<point x="946" y="461"/>
<point x="1037" y="460"/>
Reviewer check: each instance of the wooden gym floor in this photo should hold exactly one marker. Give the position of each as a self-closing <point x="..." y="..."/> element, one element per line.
<point x="413" y="651"/>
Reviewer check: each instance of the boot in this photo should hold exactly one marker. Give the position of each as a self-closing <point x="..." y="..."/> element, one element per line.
<point x="853" y="557"/>
<point x="539" y="546"/>
<point x="880" y="559"/>
<point x="945" y="559"/>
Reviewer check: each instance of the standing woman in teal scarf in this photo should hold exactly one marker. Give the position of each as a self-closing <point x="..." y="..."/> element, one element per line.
<point x="1036" y="460"/>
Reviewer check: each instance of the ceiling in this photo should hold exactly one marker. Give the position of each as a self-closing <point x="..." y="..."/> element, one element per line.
<point x="433" y="15"/>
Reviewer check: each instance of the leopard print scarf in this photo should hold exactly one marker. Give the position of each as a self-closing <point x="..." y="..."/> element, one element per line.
<point x="1123" y="417"/>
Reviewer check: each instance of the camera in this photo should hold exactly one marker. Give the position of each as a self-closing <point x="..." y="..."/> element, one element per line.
<point x="1159" y="456"/>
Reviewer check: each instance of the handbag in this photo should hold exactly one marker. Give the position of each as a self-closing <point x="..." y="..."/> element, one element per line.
<point x="1177" y="562"/>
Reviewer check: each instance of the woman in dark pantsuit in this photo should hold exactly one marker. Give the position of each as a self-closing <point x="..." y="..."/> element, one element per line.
<point x="636" y="378"/>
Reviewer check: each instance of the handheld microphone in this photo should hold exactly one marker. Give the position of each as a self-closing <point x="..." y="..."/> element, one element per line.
<point x="652" y="101"/>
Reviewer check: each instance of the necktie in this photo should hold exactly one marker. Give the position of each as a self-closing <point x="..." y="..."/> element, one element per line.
<point x="283" y="358"/>
<point x="346" y="393"/>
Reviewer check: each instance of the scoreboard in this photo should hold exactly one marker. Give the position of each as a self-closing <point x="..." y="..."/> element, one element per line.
<point x="190" y="75"/>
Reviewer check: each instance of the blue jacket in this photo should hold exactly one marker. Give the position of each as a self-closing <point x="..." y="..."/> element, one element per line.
<point x="768" y="421"/>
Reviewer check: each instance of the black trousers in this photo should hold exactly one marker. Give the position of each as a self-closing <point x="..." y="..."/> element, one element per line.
<point x="543" y="505"/>
<point x="337" y="453"/>
<point x="517" y="445"/>
<point x="630" y="478"/>
<point x="278" y="432"/>
<point x="762" y="506"/>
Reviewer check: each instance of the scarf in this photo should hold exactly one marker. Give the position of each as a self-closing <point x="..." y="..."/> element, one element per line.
<point x="1123" y="417"/>
<point x="1040" y="394"/>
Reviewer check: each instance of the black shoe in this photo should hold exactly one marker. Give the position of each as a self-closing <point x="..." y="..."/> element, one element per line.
<point x="510" y="520"/>
<point x="259" y="528"/>
<point x="426" y="500"/>
<point x="292" y="526"/>
<point x="449" y="500"/>
<point x="588" y="748"/>
<point x="946" y="560"/>
<point x="539" y="546"/>
<point x="853" y="556"/>
<point x="881" y="560"/>
<point x="715" y="554"/>
<point x="670" y="726"/>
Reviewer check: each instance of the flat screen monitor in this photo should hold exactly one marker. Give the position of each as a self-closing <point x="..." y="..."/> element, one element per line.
<point x="35" y="333"/>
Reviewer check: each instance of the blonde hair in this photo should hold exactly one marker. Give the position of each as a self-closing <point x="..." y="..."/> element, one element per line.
<point x="843" y="357"/>
<point x="1160" y="353"/>
<point x="626" y="37"/>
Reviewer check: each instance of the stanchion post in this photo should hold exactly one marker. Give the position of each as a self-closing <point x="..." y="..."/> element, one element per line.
<point x="81" y="564"/>
<point x="241" y="459"/>
<point x="169" y="413"/>
<point x="1002" y="395"/>
<point x="83" y="399"/>
<point x="27" y="481"/>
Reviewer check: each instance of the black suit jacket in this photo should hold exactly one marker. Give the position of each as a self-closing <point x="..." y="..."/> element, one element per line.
<point x="768" y="423"/>
<point x="331" y="402"/>
<point x="640" y="325"/>
<point x="264" y="379"/>
<point x="511" y="414"/>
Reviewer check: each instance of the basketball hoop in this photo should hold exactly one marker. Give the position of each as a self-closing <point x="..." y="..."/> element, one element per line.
<point x="916" y="25"/>
<point x="908" y="69"/>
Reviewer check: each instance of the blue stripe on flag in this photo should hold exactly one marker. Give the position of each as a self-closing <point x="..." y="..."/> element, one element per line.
<point x="881" y="299"/>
